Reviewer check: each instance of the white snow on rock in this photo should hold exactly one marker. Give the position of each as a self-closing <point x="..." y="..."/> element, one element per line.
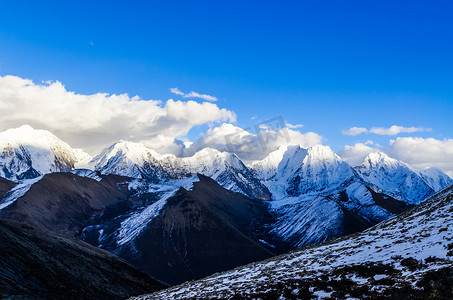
<point x="394" y="178"/>
<point x="18" y="191"/>
<point x="28" y="153"/>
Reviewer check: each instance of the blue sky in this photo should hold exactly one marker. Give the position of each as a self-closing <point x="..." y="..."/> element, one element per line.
<point x="329" y="65"/>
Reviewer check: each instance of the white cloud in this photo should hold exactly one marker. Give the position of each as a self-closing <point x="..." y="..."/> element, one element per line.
<point x="296" y="126"/>
<point x="392" y="130"/>
<point x="201" y="96"/>
<point x="418" y="152"/>
<point x="422" y="153"/>
<point x="354" y="155"/>
<point x="176" y="91"/>
<point x="193" y="94"/>
<point x="355" y="131"/>
<point x="94" y="121"/>
<point x="249" y="146"/>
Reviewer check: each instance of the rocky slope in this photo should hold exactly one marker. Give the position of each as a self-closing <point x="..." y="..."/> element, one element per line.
<point x="39" y="265"/>
<point x="64" y="202"/>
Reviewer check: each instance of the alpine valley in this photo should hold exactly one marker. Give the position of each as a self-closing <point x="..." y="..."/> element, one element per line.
<point x="184" y="218"/>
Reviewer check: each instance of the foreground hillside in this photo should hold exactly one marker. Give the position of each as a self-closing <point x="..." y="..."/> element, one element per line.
<point x="39" y="265"/>
<point x="408" y="256"/>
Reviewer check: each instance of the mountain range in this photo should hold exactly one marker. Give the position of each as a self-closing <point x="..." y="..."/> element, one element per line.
<point x="184" y="218"/>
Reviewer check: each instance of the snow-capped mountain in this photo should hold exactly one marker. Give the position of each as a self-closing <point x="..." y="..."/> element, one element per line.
<point x="136" y="161"/>
<point x="28" y="153"/>
<point x="395" y="178"/>
<point x="225" y="168"/>
<point x="317" y="195"/>
<point x="406" y="257"/>
<point x="312" y="170"/>
<point x="129" y="159"/>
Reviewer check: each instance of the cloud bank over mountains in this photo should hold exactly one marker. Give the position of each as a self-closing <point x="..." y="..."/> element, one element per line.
<point x="95" y="121"/>
<point x="418" y="152"/>
<point x="392" y="130"/>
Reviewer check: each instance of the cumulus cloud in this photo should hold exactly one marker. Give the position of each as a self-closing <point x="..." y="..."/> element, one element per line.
<point x="422" y="153"/>
<point x="354" y="155"/>
<point x="251" y="146"/>
<point x="418" y="152"/>
<point x="355" y="131"/>
<point x="392" y="130"/>
<point x="193" y="94"/>
<point x="94" y="121"/>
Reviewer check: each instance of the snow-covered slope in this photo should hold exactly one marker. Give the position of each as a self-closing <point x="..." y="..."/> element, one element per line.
<point x="267" y="168"/>
<point x="435" y="178"/>
<point x="405" y="257"/>
<point x="28" y="153"/>
<point x="395" y="178"/>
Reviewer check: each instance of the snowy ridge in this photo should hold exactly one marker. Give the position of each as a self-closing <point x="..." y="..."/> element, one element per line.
<point x="136" y="161"/>
<point x="395" y="178"/>
<point x="225" y="168"/>
<point x="423" y="237"/>
<point x="132" y="226"/>
<point x="18" y="191"/>
<point x="135" y="223"/>
<point x="28" y="153"/>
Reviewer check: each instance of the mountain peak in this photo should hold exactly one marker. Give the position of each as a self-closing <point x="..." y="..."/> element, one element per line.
<point x="323" y="153"/>
<point x="394" y="177"/>
<point x="379" y="157"/>
<point x="27" y="153"/>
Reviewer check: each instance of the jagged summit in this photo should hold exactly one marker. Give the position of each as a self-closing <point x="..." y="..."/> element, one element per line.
<point x="128" y="159"/>
<point x="312" y="169"/>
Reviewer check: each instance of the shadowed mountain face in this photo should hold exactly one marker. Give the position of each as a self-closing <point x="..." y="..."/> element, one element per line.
<point x="200" y="232"/>
<point x="5" y="186"/>
<point x="389" y="203"/>
<point x="39" y="265"/>
<point x="65" y="203"/>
